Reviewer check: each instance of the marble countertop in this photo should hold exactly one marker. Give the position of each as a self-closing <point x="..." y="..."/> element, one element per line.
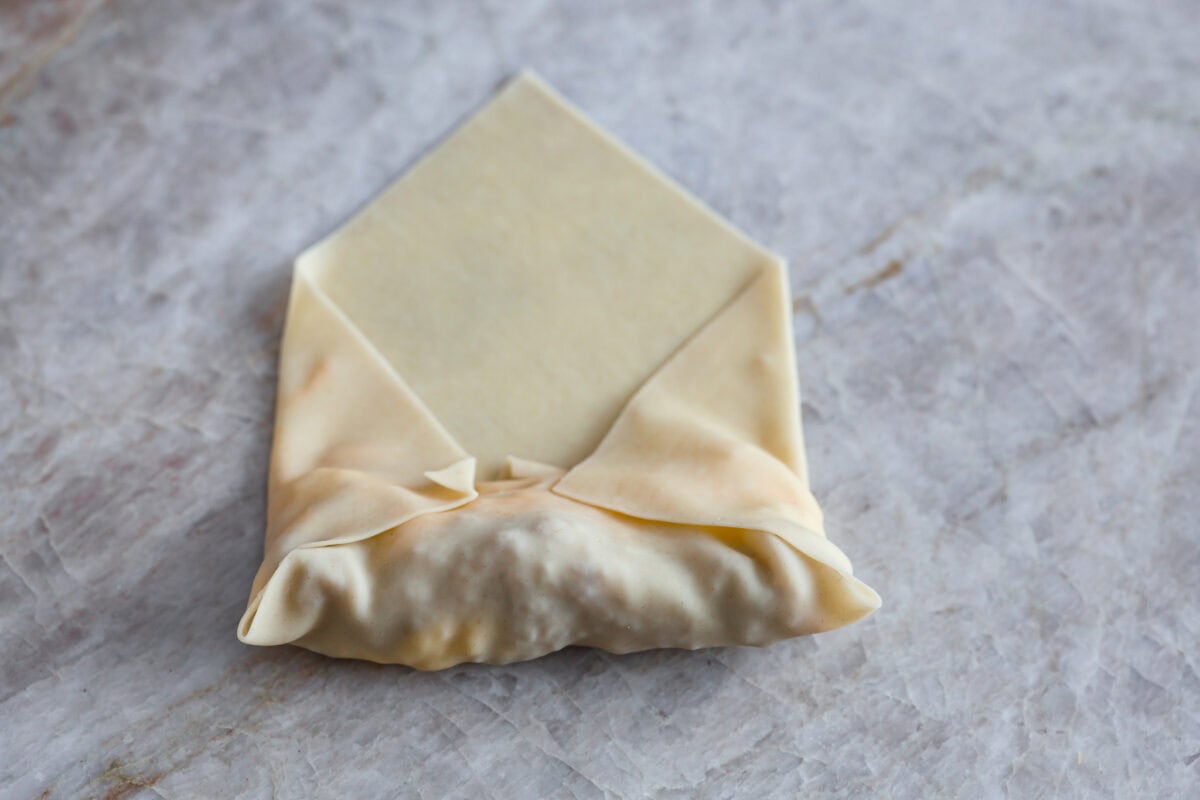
<point x="991" y="214"/>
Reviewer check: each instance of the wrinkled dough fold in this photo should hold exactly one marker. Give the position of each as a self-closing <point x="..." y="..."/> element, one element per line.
<point x="519" y="573"/>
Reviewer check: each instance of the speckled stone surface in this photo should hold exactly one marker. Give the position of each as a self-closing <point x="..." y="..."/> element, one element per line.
<point x="991" y="212"/>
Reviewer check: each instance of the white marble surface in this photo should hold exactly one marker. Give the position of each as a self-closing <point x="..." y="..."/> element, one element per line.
<point x="992" y="214"/>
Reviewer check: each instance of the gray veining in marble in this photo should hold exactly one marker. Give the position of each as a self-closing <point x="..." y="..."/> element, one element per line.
<point x="992" y="212"/>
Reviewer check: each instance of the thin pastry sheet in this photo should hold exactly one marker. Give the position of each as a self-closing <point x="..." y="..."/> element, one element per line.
<point x="535" y="395"/>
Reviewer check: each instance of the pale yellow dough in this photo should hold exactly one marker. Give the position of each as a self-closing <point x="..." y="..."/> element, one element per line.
<point x="534" y="395"/>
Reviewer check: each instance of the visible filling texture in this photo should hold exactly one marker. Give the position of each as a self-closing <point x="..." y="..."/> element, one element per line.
<point x="520" y="572"/>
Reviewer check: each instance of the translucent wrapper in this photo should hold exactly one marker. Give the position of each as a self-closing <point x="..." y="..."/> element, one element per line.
<point x="534" y="395"/>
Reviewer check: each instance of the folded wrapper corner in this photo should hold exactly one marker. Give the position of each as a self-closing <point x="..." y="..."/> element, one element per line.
<point x="533" y="396"/>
